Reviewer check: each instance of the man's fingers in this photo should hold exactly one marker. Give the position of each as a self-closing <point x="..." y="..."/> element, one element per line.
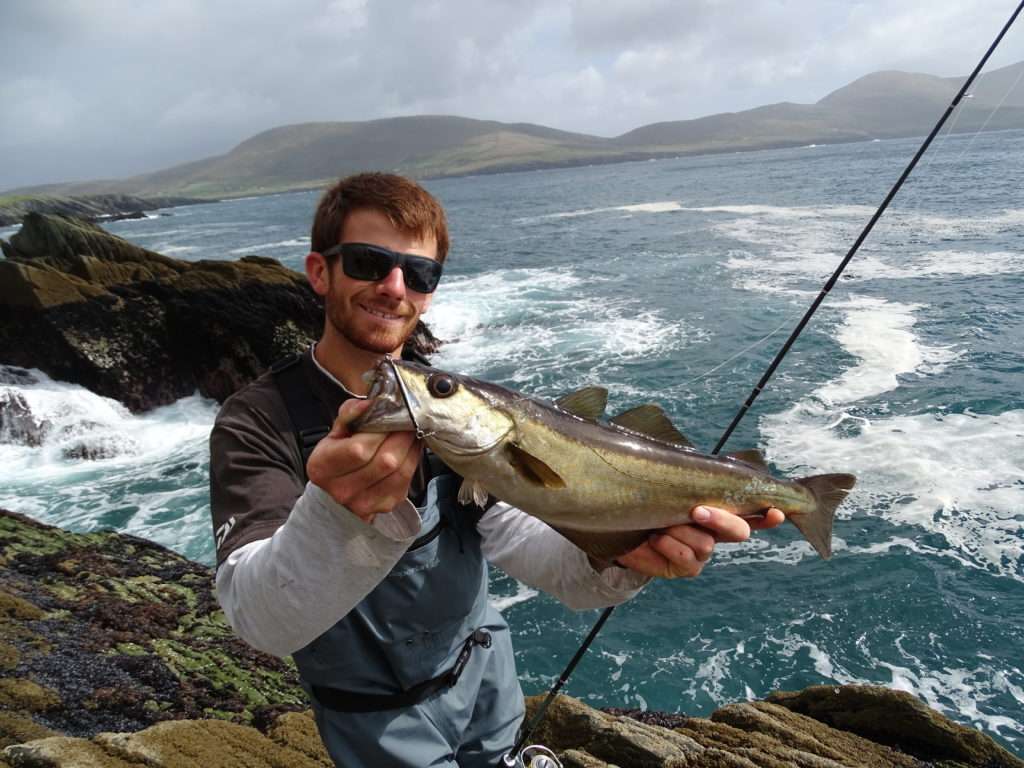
<point x="384" y="495"/>
<point x="685" y="542"/>
<point x="772" y="517"/>
<point x="365" y="460"/>
<point x="721" y="523"/>
<point x="347" y="413"/>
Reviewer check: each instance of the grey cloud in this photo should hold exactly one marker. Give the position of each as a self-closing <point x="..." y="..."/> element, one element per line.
<point x="106" y="88"/>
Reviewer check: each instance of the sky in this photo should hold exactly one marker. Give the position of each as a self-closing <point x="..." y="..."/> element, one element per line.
<point x="109" y="88"/>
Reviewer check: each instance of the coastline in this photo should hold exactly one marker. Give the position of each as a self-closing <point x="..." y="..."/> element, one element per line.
<point x="47" y="192"/>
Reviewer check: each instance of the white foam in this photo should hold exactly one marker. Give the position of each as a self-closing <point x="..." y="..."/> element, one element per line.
<point x="296" y="242"/>
<point x="880" y="335"/>
<point x="960" y="692"/>
<point x="538" y="319"/>
<point x="41" y="482"/>
<point x="662" y="206"/>
<point x="791" y="246"/>
<point x="522" y="594"/>
<point x="956" y="475"/>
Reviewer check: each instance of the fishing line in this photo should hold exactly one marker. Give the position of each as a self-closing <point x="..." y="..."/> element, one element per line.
<point x="943" y="140"/>
<point x="514" y="755"/>
<point x="741" y="353"/>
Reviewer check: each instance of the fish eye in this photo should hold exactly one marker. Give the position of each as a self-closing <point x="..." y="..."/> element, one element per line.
<point x="442" y="385"/>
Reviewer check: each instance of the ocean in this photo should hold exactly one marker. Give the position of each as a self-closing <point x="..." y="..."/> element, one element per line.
<point x="675" y="282"/>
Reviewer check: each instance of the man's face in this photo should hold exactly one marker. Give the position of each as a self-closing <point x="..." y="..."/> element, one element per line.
<point x="376" y="316"/>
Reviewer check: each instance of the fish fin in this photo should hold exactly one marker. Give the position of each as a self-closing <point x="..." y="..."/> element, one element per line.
<point x="651" y="420"/>
<point x="587" y="403"/>
<point x="828" y="492"/>
<point x="605" y="545"/>
<point x="752" y="457"/>
<point x="473" y="492"/>
<point x="533" y="469"/>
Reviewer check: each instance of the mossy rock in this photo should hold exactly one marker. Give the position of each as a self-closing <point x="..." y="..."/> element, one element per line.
<point x="64" y="752"/>
<point x="128" y="634"/>
<point x="19" y="727"/>
<point x="298" y="731"/>
<point x="20" y="693"/>
<point x="205" y="744"/>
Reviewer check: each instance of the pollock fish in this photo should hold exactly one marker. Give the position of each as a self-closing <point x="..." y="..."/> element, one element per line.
<point x="604" y="485"/>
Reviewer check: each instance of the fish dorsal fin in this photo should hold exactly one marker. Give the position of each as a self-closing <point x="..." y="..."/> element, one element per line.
<point x="605" y="545"/>
<point x="753" y="457"/>
<point x="532" y="469"/>
<point x="587" y="403"/>
<point x="651" y="420"/>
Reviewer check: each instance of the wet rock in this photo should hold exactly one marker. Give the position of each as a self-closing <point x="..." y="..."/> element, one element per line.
<point x="12" y="374"/>
<point x="108" y="207"/>
<point x="18" y="424"/>
<point x="96" y="448"/>
<point x="88" y="307"/>
<point x="898" y="719"/>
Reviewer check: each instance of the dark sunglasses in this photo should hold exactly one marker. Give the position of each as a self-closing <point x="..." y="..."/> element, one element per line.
<point x="362" y="261"/>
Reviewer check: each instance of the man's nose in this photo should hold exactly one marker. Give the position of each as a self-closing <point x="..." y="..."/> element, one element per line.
<point x="393" y="285"/>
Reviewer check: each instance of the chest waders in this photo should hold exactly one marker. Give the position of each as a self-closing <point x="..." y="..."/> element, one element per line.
<point x="421" y="672"/>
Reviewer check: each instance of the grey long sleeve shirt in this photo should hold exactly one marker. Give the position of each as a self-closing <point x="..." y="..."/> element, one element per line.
<point x="282" y="592"/>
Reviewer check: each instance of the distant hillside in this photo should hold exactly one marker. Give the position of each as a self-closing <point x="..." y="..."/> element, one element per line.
<point x="879" y="105"/>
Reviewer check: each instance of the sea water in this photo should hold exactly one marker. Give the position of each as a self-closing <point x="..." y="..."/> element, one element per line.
<point x="675" y="282"/>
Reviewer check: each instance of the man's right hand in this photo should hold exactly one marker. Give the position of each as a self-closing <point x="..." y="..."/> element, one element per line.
<point x="368" y="473"/>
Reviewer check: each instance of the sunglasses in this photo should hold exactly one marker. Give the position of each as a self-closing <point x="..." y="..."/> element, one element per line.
<point x="362" y="261"/>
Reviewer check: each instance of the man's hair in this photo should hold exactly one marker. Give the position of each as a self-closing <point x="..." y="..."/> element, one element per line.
<point x="407" y="205"/>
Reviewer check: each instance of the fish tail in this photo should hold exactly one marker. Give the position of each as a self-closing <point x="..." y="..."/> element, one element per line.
<point x="816" y="526"/>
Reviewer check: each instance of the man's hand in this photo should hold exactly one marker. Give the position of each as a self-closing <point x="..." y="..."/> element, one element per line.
<point x="368" y="473"/>
<point x="682" y="550"/>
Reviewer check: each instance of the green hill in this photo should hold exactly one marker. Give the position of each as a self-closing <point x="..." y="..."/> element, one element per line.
<point x="308" y="155"/>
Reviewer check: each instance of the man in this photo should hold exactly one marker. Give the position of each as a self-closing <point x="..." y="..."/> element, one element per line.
<point x="371" y="574"/>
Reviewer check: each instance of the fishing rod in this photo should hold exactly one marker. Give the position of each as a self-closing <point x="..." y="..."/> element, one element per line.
<point x="546" y="759"/>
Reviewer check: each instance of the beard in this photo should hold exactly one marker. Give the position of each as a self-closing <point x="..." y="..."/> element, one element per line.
<point x="362" y="330"/>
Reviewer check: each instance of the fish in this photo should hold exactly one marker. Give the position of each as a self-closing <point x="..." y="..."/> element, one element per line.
<point x="603" y="484"/>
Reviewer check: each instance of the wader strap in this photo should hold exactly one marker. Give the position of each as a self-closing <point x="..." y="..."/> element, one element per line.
<point x="307" y="413"/>
<point x="346" y="701"/>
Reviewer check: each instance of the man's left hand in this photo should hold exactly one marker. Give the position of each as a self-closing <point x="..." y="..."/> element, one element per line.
<point x="683" y="550"/>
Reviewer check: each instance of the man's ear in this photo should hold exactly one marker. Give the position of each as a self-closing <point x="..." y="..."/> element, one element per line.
<point x="317" y="272"/>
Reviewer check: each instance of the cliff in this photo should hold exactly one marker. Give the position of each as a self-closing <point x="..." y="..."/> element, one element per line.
<point x="113" y="654"/>
<point x="88" y="307"/>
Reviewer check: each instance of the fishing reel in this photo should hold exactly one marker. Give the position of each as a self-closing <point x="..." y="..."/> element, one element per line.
<point x="533" y="756"/>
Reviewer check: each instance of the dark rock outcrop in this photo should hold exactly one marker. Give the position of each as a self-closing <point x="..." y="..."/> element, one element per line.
<point x="109" y="207"/>
<point x="17" y="422"/>
<point x="88" y="307"/>
<point x="113" y="654"/>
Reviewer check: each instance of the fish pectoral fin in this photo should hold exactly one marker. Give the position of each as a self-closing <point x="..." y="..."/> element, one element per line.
<point x="587" y="403"/>
<point x="473" y="492"/>
<point x="651" y="420"/>
<point x="751" y="457"/>
<point x="532" y="469"/>
<point x="605" y="545"/>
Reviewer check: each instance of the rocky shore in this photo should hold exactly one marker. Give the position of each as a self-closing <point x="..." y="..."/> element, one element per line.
<point x="108" y="207"/>
<point x="85" y="306"/>
<point x="114" y="654"/>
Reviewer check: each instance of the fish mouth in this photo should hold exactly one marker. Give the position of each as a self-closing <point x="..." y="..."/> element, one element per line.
<point x="390" y="410"/>
<point x="468" y="453"/>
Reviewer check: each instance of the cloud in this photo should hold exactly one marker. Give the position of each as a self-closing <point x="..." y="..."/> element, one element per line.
<point x="113" y="87"/>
